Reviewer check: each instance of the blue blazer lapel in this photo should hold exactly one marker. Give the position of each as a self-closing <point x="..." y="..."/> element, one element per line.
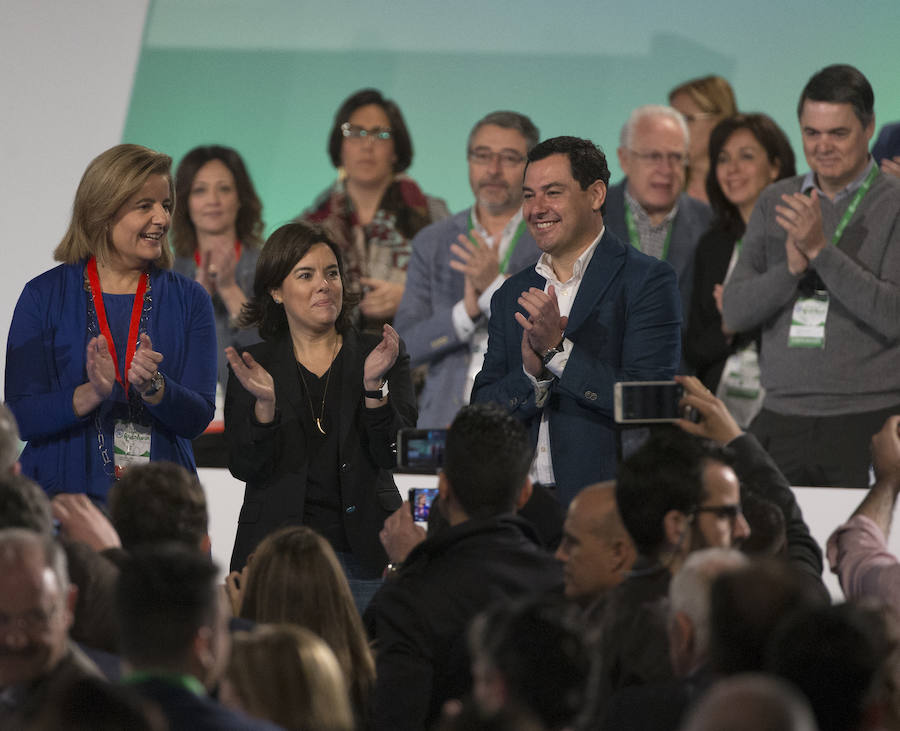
<point x="604" y="267"/>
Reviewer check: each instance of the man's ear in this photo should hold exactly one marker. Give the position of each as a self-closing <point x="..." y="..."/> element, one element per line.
<point x="71" y="603"/>
<point x="675" y="527"/>
<point x="206" y="545"/>
<point x="443" y="488"/>
<point x="622" y="154"/>
<point x="597" y="189"/>
<point x="621" y="555"/>
<point x="524" y="494"/>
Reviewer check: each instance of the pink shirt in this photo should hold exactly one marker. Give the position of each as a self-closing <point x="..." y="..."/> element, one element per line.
<point x="857" y="552"/>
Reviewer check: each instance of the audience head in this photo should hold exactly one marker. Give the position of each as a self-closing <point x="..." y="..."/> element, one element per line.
<point x="689" y="606"/>
<point x="289" y="676"/>
<point x="751" y="703"/>
<point x="530" y="655"/>
<point x="24" y="504"/>
<point x="746" y="153"/>
<point x="214" y="173"/>
<point x="159" y="502"/>
<point x="596" y="550"/>
<point x="283" y="251"/>
<point x="587" y="163"/>
<point x="745" y="607"/>
<point x="844" y="660"/>
<point x="10" y="443"/>
<point x="703" y="102"/>
<point x="677" y="493"/>
<point x="111" y="180"/>
<point x="170" y="613"/>
<point x="367" y="109"/>
<point x="653" y="154"/>
<point x="768" y="537"/>
<point x="497" y="149"/>
<point x="837" y="120"/>
<point x="37" y="606"/>
<point x="294" y="577"/>
<point x="486" y="463"/>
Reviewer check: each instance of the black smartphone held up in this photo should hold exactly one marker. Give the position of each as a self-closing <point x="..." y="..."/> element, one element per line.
<point x="420" y="499"/>
<point x="421" y="451"/>
<point x="647" y="402"/>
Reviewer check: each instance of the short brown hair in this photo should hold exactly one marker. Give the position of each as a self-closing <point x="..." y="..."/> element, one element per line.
<point x="284" y="248"/>
<point x="110" y="180"/>
<point x="712" y="94"/>
<point x="249" y="224"/>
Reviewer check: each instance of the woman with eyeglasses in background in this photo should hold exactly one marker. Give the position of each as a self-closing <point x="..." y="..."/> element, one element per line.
<point x="373" y="210"/>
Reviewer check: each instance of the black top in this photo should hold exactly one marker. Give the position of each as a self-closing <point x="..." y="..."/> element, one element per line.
<point x="705" y="347"/>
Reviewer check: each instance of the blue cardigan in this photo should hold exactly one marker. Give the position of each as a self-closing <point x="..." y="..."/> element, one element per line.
<point x="45" y="362"/>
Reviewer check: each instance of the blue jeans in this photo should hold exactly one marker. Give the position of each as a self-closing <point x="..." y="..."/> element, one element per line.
<point x="362" y="589"/>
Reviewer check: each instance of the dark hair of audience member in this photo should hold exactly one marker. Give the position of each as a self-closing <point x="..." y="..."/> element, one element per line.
<point x="665" y="474"/>
<point x="294" y="577"/>
<point x="24" y="504"/>
<point x="487" y="459"/>
<point x="248" y="223"/>
<point x="778" y="150"/>
<point x="92" y="704"/>
<point x="164" y="595"/>
<point x="156" y="503"/>
<point x="841" y="84"/>
<point x="844" y="660"/>
<point x="284" y="248"/>
<point x="288" y="675"/>
<point x="470" y="718"/>
<point x="403" y="148"/>
<point x="767" y="529"/>
<point x="546" y="673"/>
<point x="746" y="606"/>
<point x="587" y="161"/>
<point x="10" y="443"/>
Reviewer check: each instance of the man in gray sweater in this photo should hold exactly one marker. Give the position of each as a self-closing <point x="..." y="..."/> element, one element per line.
<point x="819" y="271"/>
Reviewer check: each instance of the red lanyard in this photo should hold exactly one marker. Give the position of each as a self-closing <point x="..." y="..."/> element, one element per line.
<point x="237" y="253"/>
<point x="97" y="296"/>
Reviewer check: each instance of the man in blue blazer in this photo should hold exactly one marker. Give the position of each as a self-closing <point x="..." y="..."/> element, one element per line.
<point x="648" y="209"/>
<point x="457" y="264"/>
<point x="593" y="311"/>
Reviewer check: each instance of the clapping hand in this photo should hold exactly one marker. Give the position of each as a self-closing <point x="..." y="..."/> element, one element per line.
<point x="256" y="380"/>
<point x="381" y="359"/>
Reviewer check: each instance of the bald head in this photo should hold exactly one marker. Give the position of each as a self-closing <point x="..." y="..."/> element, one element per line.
<point x="596" y="550"/>
<point x="765" y="703"/>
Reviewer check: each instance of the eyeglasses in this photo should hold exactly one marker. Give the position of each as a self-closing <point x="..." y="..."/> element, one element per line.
<point x="670" y="159"/>
<point x="353" y="132"/>
<point x="722" y="512"/>
<point x="486" y="157"/>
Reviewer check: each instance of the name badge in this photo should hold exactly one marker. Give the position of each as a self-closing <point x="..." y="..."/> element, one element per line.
<point x="131" y="445"/>
<point x="808" y="321"/>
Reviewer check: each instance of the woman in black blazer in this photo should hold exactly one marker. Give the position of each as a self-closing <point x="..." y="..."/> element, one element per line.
<point x="312" y="412"/>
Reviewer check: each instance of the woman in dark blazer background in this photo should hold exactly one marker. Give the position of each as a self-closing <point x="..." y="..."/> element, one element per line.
<point x="312" y="412"/>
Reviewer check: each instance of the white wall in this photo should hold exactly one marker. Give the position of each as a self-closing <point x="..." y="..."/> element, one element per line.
<point x="66" y="71"/>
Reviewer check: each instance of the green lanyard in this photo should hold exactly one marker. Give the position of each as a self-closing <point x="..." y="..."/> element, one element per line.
<point x="188" y="682"/>
<point x="851" y="209"/>
<point x="635" y="238"/>
<point x="512" y="242"/>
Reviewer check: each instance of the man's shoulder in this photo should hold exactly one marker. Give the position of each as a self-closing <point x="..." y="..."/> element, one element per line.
<point x="775" y="190"/>
<point x="693" y="210"/>
<point x="444" y="231"/>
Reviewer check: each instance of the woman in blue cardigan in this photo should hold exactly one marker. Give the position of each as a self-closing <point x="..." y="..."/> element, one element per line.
<point x="111" y="358"/>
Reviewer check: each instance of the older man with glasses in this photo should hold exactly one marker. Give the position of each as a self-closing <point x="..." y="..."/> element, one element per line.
<point x="649" y="208"/>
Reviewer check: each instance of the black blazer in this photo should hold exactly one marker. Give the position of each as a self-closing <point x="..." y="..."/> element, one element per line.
<point x="273" y="459"/>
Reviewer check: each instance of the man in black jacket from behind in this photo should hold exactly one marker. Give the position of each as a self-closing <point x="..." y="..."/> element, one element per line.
<point x="487" y="554"/>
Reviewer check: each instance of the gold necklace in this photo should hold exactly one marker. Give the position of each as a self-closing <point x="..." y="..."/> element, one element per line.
<point x="324" y="391"/>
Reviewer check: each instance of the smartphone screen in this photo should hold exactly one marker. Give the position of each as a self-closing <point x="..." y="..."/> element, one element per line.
<point x="647" y="401"/>
<point x="421" y="450"/>
<point x="420" y="499"/>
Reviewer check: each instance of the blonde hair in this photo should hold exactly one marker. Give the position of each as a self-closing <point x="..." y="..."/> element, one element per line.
<point x="110" y="180"/>
<point x="295" y="577"/>
<point x="712" y="94"/>
<point x="288" y="675"/>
